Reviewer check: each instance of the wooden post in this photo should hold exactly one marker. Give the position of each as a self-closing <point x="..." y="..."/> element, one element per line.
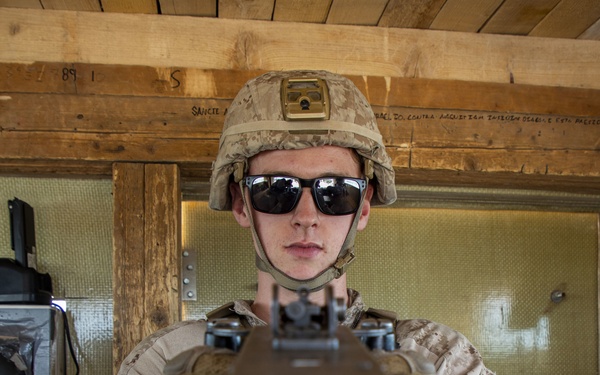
<point x="146" y="252"/>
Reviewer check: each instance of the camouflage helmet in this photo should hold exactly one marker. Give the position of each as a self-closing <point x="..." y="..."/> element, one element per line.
<point x="270" y="113"/>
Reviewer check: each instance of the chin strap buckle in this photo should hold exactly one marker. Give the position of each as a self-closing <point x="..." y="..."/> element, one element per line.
<point x="342" y="263"/>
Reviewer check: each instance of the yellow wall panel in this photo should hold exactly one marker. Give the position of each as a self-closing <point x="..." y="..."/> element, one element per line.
<point x="486" y="273"/>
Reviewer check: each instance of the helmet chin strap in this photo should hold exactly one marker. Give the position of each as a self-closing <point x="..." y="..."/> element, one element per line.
<point x="334" y="271"/>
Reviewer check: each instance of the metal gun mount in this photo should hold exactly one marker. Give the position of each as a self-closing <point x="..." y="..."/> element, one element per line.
<point x="302" y="325"/>
<point x="303" y="337"/>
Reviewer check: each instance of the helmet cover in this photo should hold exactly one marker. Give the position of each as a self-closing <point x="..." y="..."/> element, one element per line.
<point x="258" y="120"/>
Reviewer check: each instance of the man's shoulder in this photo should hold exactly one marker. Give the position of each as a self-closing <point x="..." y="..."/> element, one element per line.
<point x="149" y="356"/>
<point x="447" y="348"/>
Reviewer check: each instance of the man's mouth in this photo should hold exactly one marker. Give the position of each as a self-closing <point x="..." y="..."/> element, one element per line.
<point x="304" y="250"/>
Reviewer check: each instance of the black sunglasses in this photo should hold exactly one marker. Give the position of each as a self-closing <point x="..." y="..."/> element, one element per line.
<point x="280" y="194"/>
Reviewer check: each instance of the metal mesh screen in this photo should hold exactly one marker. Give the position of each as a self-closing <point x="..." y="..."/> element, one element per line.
<point x="73" y="223"/>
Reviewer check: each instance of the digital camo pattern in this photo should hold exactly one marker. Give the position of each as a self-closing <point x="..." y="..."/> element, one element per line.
<point x="449" y="351"/>
<point x="258" y="107"/>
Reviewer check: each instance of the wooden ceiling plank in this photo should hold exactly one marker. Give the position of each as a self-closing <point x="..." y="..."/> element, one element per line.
<point x="201" y="8"/>
<point x="76" y="5"/>
<point x="247" y="9"/>
<point x="313" y="11"/>
<point x="465" y="15"/>
<point x="518" y="17"/>
<point x="31" y="4"/>
<point x="130" y="6"/>
<point x="569" y="19"/>
<point x="412" y="14"/>
<point x="125" y="39"/>
<point x="356" y="12"/>
<point x="592" y="33"/>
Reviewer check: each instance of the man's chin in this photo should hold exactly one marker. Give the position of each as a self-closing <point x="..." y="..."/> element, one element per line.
<point x="303" y="274"/>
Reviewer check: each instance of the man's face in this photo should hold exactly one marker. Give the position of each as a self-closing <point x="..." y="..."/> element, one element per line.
<point x="304" y="242"/>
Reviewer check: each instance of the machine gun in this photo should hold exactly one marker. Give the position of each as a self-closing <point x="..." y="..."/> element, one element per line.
<point x="304" y="338"/>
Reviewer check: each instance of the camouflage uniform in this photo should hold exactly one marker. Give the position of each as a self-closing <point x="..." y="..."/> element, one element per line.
<point x="450" y="351"/>
<point x="269" y="113"/>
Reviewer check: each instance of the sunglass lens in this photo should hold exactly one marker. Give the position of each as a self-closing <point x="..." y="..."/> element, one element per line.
<point x="274" y="195"/>
<point x="337" y="196"/>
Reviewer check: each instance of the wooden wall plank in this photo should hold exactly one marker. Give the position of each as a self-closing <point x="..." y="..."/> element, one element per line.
<point x="129" y="272"/>
<point x="518" y="17"/>
<point x="464" y="15"/>
<point x="162" y="229"/>
<point x="106" y="115"/>
<point x="486" y="130"/>
<point x="104" y="148"/>
<point x="419" y="93"/>
<point x="247" y="10"/>
<point x="107" y="127"/>
<point x="557" y="162"/>
<point x="202" y="119"/>
<point x="498" y="180"/>
<point x="203" y="8"/>
<point x="59" y="36"/>
<point x="410" y="13"/>
<point x="569" y="19"/>
<point x="79" y="78"/>
<point x="401" y="127"/>
<point x="115" y="122"/>
<point x="301" y="11"/>
<point x="356" y="12"/>
<point x="63" y="168"/>
<point x="104" y="81"/>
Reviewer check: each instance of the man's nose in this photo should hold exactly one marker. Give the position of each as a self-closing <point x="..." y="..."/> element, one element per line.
<point x="306" y="212"/>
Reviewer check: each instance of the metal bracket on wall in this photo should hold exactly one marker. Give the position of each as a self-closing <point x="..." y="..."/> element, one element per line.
<point x="188" y="275"/>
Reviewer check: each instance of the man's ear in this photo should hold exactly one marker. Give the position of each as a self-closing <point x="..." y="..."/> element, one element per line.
<point x="366" y="209"/>
<point x="237" y="206"/>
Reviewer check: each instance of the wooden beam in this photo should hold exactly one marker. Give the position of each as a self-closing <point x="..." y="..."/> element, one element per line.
<point x="86" y="118"/>
<point x="165" y="41"/>
<point x="129" y="273"/>
<point x="203" y="84"/>
<point x="146" y="252"/>
<point x="162" y="239"/>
